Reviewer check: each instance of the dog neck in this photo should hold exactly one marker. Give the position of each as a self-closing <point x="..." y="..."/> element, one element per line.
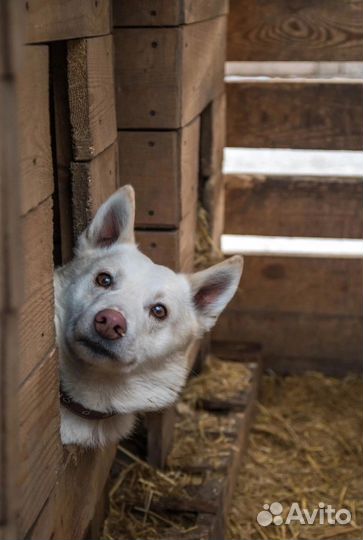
<point x="81" y="411"/>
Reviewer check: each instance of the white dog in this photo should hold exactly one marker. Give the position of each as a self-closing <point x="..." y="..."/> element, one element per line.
<point x="123" y="325"/>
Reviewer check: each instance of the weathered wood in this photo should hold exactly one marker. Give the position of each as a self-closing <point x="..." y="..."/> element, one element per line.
<point x="165" y="77"/>
<point x="300" y="286"/>
<point x="92" y="183"/>
<point x="295" y="114"/>
<point x="36" y="328"/>
<point x="83" y="478"/>
<point x="163" y="169"/>
<point x="34" y="129"/>
<point x="294" y="343"/>
<point x="66" y="19"/>
<point x="294" y="206"/>
<point x="214" y="202"/>
<point x="40" y="447"/>
<point x="319" y="30"/>
<point x="160" y="13"/>
<point x="62" y="151"/>
<point x="91" y="96"/>
<point x="11" y="269"/>
<point x="212" y="136"/>
<point x="160" y="430"/>
<point x="174" y="249"/>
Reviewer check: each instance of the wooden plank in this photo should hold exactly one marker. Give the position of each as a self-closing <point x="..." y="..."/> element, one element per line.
<point x="83" y="478"/>
<point x="40" y="447"/>
<point x="174" y="249"/>
<point x="294" y="343"/>
<point x="92" y="183"/>
<point x="160" y="13"/>
<point x="294" y="285"/>
<point x="66" y="19"/>
<point x="36" y="328"/>
<point x="37" y="238"/>
<point x="165" y="77"/>
<point x="91" y="96"/>
<point x="160" y="430"/>
<point x="212" y="136"/>
<point x="34" y="128"/>
<point x="62" y="149"/>
<point x="163" y="169"/>
<point x="214" y="203"/>
<point x="294" y="206"/>
<point x="295" y="114"/>
<point x="319" y="30"/>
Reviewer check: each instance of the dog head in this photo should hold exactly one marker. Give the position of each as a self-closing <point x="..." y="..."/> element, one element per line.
<point x="115" y="307"/>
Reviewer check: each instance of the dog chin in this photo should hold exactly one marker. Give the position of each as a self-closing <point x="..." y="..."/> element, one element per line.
<point x="96" y="351"/>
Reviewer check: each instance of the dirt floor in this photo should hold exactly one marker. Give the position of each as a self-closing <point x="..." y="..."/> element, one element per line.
<point x="305" y="448"/>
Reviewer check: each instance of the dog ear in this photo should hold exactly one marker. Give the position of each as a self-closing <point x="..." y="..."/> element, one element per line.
<point x="213" y="288"/>
<point x="113" y="222"/>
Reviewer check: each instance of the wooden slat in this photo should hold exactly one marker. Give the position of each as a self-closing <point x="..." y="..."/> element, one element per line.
<point x="281" y="30"/>
<point x="36" y="332"/>
<point x="163" y="169"/>
<point x="40" y="447"/>
<point x="161" y="13"/>
<point x="214" y="202"/>
<point x="294" y="206"/>
<point x="300" y="286"/>
<point x="294" y="343"/>
<point x="34" y="129"/>
<point x="83" y="478"/>
<point x="174" y="249"/>
<point x="165" y="77"/>
<point x="92" y="183"/>
<point x="295" y="114"/>
<point x="212" y="136"/>
<point x="66" y="19"/>
<point x="91" y="96"/>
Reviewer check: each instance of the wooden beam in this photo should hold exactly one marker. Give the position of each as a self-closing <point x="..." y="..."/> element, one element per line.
<point x="294" y="206"/>
<point x="66" y="19"/>
<point x="165" y="77"/>
<point x="212" y="136"/>
<point x="91" y="96"/>
<point x="163" y="168"/>
<point x="281" y="30"/>
<point x="34" y="129"/>
<point x="161" y="13"/>
<point x="295" y="114"/>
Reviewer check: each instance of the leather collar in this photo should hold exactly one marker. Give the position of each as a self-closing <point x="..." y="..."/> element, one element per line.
<point x="80" y="410"/>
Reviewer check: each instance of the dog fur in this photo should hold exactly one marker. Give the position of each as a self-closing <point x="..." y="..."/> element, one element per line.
<point x="146" y="368"/>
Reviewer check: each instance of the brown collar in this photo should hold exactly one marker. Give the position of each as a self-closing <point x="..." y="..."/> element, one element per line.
<point x="80" y="410"/>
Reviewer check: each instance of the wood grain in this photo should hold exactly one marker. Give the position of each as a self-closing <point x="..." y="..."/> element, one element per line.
<point x="91" y="96"/>
<point x="40" y="447"/>
<point x="300" y="286"/>
<point x="281" y="30"/>
<point x="36" y="331"/>
<point x="92" y="183"/>
<point x="295" y="114"/>
<point x="66" y="19"/>
<point x="163" y="169"/>
<point x="34" y="128"/>
<point x="161" y="13"/>
<point x="212" y="136"/>
<point x="165" y="77"/>
<point x="294" y="206"/>
<point x="293" y="343"/>
<point x="83" y="477"/>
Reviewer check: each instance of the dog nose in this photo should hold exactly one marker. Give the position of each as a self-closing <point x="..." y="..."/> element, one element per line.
<point x="110" y="324"/>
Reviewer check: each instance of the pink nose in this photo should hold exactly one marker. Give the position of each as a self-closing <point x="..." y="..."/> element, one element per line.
<point x="110" y="324"/>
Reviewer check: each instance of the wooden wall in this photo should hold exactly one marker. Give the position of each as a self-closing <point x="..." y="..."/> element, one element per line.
<point x="306" y="313"/>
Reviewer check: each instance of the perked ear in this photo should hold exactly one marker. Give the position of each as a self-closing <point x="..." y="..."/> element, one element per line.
<point x="113" y="222"/>
<point x="213" y="288"/>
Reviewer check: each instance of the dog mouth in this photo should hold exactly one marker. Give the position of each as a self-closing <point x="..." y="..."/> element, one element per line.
<point x="98" y="348"/>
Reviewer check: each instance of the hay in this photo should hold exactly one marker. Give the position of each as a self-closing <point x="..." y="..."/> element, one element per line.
<point x="202" y="439"/>
<point x="206" y="252"/>
<point x="306" y="446"/>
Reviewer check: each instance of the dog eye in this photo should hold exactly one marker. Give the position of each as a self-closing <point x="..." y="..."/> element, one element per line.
<point x="104" y="280"/>
<point x="159" y="311"/>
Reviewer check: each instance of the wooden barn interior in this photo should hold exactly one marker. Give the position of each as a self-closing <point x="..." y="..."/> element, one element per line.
<point x="240" y="126"/>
